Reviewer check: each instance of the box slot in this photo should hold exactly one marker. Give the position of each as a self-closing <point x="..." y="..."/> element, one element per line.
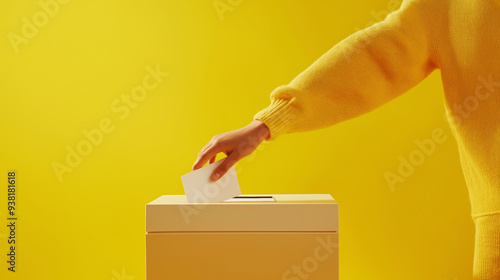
<point x="252" y="198"/>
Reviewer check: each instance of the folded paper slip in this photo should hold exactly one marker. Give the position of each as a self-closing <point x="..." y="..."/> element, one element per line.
<point x="200" y="188"/>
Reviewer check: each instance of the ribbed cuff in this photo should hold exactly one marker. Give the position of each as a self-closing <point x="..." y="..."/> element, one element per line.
<point x="278" y="117"/>
<point x="487" y="247"/>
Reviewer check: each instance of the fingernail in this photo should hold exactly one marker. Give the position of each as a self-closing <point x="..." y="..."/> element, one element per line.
<point x="215" y="176"/>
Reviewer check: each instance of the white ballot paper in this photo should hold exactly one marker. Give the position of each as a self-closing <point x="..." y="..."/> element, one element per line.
<point x="200" y="188"/>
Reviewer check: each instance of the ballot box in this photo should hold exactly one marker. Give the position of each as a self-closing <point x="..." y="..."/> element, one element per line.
<point x="280" y="237"/>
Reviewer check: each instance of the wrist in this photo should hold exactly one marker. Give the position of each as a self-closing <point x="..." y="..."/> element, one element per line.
<point x="261" y="129"/>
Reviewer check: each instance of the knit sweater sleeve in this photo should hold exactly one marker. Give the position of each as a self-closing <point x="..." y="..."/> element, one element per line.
<point x="362" y="72"/>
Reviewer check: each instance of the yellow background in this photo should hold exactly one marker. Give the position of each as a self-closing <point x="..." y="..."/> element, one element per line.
<point x="91" y="225"/>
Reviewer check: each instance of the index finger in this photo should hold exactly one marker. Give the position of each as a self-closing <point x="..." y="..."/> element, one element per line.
<point x="205" y="155"/>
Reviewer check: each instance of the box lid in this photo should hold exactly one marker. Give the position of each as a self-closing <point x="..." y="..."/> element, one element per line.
<point x="283" y="212"/>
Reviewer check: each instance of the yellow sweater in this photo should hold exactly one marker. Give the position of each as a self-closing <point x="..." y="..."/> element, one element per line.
<point x="377" y="64"/>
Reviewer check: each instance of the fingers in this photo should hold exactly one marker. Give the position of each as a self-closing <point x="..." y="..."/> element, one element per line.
<point x="224" y="166"/>
<point x="206" y="155"/>
<point x="212" y="159"/>
<point x="208" y="145"/>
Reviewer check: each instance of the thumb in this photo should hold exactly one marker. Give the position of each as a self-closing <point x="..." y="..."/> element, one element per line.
<point x="227" y="163"/>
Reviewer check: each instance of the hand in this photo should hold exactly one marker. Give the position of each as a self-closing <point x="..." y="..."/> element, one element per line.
<point x="236" y="144"/>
